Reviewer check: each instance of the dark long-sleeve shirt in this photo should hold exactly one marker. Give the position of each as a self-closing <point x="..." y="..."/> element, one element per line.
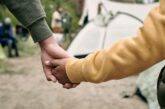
<point x="32" y="15"/>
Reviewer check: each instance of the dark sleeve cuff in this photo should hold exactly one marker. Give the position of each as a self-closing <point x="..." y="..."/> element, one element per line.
<point x="40" y="30"/>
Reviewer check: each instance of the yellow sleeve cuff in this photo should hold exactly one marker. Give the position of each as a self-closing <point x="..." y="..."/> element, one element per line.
<point x="74" y="70"/>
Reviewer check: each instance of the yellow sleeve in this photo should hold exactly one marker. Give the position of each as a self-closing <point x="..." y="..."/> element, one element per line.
<point x="126" y="57"/>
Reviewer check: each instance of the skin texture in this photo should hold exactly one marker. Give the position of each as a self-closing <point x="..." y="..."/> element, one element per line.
<point x="59" y="72"/>
<point x="50" y="50"/>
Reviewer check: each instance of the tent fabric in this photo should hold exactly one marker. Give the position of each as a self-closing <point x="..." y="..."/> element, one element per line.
<point x="95" y="36"/>
<point x="147" y="83"/>
<point x="139" y="10"/>
<point x="122" y="27"/>
<point x="88" y="40"/>
<point x="91" y="37"/>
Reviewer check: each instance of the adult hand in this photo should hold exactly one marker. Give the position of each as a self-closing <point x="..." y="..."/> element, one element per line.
<point x="50" y="50"/>
<point x="60" y="73"/>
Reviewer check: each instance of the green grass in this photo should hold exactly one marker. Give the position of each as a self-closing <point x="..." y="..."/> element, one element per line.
<point x="27" y="48"/>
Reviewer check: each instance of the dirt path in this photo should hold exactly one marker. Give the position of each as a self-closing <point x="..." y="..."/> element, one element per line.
<point x="25" y="87"/>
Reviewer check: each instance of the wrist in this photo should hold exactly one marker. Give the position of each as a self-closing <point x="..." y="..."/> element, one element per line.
<point x="48" y="42"/>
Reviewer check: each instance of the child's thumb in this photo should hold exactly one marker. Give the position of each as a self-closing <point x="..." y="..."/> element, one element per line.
<point x="56" y="62"/>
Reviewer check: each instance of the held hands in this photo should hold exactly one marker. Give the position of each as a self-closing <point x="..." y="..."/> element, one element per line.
<point x="51" y="52"/>
<point x="59" y="72"/>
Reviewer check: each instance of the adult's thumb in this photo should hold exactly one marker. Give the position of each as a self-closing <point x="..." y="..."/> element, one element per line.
<point x="49" y="63"/>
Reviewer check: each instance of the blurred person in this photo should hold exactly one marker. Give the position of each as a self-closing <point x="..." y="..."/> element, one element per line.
<point x="22" y="32"/>
<point x="1" y="29"/>
<point x="2" y="55"/>
<point x="8" y="39"/>
<point x="56" y="23"/>
<point x="66" y="24"/>
<point x="126" y="57"/>
<point x="90" y="11"/>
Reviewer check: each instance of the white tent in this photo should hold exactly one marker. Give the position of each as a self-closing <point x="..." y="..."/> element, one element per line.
<point x="93" y="36"/>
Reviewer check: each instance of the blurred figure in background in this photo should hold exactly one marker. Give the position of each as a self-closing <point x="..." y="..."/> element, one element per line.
<point x="1" y="29"/>
<point x="56" y="23"/>
<point x="22" y="32"/>
<point x="90" y="11"/>
<point x="66" y="24"/>
<point x="7" y="38"/>
<point x="2" y="54"/>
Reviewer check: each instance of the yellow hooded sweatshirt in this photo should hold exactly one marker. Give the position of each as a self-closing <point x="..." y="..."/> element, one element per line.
<point x="126" y="57"/>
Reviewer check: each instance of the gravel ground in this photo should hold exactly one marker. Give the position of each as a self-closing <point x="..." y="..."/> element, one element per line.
<point x="27" y="88"/>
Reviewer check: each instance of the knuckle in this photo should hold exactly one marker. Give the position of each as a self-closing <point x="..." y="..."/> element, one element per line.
<point x="48" y="78"/>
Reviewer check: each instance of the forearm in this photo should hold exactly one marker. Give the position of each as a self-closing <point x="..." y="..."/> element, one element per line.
<point x="31" y="14"/>
<point x="126" y="57"/>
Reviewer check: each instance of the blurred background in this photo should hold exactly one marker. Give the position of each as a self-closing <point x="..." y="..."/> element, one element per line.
<point x="81" y="26"/>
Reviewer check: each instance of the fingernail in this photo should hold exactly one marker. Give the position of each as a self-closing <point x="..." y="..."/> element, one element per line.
<point x="47" y="62"/>
<point x="53" y="79"/>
